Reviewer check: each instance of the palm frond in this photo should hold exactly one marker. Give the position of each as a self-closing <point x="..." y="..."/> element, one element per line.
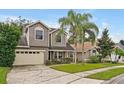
<point x="92" y="36"/>
<point x="91" y="26"/>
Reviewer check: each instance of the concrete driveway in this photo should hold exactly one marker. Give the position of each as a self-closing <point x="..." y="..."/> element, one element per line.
<point x="45" y="75"/>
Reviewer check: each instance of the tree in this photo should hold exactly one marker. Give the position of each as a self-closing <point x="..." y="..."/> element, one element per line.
<point x="89" y="28"/>
<point x="21" y="22"/>
<point x="122" y="42"/>
<point x="105" y="45"/>
<point x="9" y="36"/>
<point x="71" y="23"/>
<point x="78" y="25"/>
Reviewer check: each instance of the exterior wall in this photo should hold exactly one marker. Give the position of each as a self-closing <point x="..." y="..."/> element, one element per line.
<point x="63" y="40"/>
<point x="32" y="36"/>
<point x="121" y="60"/>
<point x="27" y="36"/>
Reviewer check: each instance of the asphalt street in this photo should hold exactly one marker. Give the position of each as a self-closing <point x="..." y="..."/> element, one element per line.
<point x="121" y="81"/>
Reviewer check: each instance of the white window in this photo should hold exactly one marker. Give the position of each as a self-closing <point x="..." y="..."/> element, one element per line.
<point x="39" y="34"/>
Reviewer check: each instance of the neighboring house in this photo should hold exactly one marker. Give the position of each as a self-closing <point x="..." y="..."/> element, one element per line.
<point x="120" y="46"/>
<point x="40" y="43"/>
<point x="89" y="50"/>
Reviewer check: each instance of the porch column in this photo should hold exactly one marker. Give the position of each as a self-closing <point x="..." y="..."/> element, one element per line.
<point x="73" y="56"/>
<point x="50" y="55"/>
<point x="57" y="55"/>
<point x="67" y="54"/>
<point x="64" y="54"/>
<point x="54" y="55"/>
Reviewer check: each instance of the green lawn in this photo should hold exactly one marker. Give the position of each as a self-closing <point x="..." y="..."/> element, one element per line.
<point x="3" y="73"/>
<point x="74" y="68"/>
<point x="106" y="75"/>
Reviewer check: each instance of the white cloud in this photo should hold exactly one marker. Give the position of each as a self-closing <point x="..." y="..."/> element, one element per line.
<point x="5" y="17"/>
<point x="51" y="24"/>
<point x="105" y="25"/>
<point x="117" y="37"/>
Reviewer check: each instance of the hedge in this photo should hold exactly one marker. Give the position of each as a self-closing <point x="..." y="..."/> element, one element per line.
<point x="9" y="36"/>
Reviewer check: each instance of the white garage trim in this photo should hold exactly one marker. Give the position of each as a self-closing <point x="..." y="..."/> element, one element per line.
<point x="29" y="50"/>
<point x="29" y="57"/>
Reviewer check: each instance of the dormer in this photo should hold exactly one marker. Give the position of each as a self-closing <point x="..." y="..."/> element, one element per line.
<point x="58" y="39"/>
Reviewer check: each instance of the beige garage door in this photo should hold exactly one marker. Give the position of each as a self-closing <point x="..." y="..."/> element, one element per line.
<point x="29" y="57"/>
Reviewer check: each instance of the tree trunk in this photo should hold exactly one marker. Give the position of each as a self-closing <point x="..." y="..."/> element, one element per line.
<point x="82" y="45"/>
<point x="75" y="53"/>
<point x="82" y="51"/>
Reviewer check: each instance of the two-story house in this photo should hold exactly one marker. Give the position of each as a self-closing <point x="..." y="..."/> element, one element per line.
<point x="40" y="43"/>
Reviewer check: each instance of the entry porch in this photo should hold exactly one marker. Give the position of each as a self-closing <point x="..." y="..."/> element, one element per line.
<point x="60" y="54"/>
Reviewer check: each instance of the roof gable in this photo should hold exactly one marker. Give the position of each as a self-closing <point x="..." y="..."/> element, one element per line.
<point x="55" y="30"/>
<point x="37" y="23"/>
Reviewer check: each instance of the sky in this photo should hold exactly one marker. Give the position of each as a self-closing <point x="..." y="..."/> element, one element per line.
<point x="112" y="19"/>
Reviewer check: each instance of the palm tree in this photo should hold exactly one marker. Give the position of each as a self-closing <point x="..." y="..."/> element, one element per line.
<point x="86" y="27"/>
<point x="92" y="30"/>
<point x="70" y="23"/>
<point x="78" y="25"/>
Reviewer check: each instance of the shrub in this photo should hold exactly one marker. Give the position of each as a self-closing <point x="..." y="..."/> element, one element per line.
<point x="52" y="62"/>
<point x="62" y="61"/>
<point x="9" y="36"/>
<point x="93" y="59"/>
<point x="48" y="62"/>
<point x="67" y="60"/>
<point x="79" y="62"/>
<point x="55" y="61"/>
<point x="114" y="62"/>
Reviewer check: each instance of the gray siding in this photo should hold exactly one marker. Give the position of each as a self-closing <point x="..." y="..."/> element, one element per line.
<point x="63" y="40"/>
<point x="32" y="37"/>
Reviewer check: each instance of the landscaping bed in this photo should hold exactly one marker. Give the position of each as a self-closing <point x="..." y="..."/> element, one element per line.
<point x="106" y="75"/>
<point x="74" y="68"/>
<point x="3" y="74"/>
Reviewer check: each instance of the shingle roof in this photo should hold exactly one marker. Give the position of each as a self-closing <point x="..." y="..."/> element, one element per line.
<point x="51" y="29"/>
<point x="120" y="45"/>
<point x="68" y="47"/>
<point x="36" y="23"/>
<point x="87" y="46"/>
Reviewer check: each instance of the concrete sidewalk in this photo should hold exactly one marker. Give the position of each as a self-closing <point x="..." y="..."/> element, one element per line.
<point x="45" y="75"/>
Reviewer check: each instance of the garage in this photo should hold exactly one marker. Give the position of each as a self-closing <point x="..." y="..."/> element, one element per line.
<point x="29" y="57"/>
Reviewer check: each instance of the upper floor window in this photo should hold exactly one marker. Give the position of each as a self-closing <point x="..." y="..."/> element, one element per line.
<point x="58" y="38"/>
<point x="39" y="34"/>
